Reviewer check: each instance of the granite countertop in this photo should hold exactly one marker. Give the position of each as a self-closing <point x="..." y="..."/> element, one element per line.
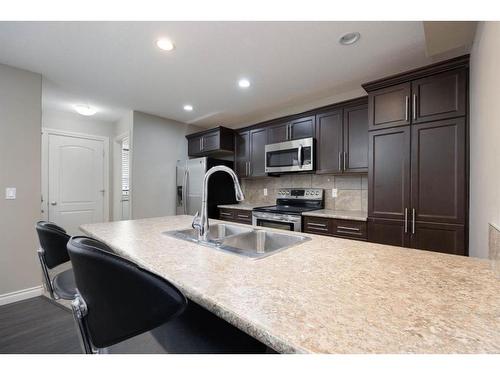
<point x="327" y="295"/>
<point x="338" y="214"/>
<point x="244" y="206"/>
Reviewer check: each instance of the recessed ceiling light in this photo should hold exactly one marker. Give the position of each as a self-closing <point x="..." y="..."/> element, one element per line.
<point x="165" y="44"/>
<point x="349" y="38"/>
<point x="84" y="109"/>
<point x="188" y="107"/>
<point x="244" y="83"/>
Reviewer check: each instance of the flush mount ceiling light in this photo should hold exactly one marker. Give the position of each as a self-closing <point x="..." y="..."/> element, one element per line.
<point x="165" y="44"/>
<point x="85" y="110"/>
<point x="349" y="38"/>
<point x="188" y="107"/>
<point x="244" y="83"/>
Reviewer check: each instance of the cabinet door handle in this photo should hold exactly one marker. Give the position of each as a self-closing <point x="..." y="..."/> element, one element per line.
<point x="316" y="225"/>
<point x="348" y="228"/>
<point x="406" y="220"/>
<point x="414" y="106"/>
<point x="407" y="101"/>
<point x="226" y="214"/>
<point x="340" y="163"/>
<point x="201" y="144"/>
<point x="243" y="216"/>
<point x="413" y="221"/>
<point x="345" y="156"/>
<point x="249" y="168"/>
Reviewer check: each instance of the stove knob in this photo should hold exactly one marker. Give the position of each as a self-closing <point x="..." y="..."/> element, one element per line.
<point x="317" y="193"/>
<point x="287" y="193"/>
<point x="307" y="192"/>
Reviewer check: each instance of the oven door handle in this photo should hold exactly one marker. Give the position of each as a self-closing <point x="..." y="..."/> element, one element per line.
<point x="276" y="218"/>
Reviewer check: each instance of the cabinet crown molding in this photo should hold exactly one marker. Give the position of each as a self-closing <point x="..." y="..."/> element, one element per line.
<point x="442" y="66"/>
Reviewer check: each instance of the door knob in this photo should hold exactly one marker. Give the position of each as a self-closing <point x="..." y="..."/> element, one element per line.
<point x="53" y="203"/>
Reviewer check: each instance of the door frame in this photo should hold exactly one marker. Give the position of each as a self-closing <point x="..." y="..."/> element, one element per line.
<point x="117" y="140"/>
<point x="45" y="167"/>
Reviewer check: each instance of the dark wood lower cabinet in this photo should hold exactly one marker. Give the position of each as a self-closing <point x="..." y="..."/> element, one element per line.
<point x="351" y="229"/>
<point x="317" y="225"/>
<point x="444" y="238"/>
<point x="388" y="232"/>
<point x="235" y="215"/>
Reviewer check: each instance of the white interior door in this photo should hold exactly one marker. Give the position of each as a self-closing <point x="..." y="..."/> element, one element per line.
<point x="76" y="181"/>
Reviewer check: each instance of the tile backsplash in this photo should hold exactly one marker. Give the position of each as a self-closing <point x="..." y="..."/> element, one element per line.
<point x="352" y="191"/>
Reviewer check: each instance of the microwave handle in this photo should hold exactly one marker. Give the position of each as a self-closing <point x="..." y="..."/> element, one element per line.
<point x="300" y="155"/>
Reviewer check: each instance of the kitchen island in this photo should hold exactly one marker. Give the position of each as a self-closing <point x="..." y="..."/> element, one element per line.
<point x="327" y="295"/>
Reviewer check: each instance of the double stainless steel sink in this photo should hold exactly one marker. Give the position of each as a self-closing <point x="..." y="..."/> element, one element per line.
<point x="241" y="240"/>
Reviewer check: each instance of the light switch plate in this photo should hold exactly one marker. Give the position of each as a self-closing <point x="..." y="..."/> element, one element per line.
<point x="10" y="193"/>
<point x="334" y="193"/>
<point x="265" y="192"/>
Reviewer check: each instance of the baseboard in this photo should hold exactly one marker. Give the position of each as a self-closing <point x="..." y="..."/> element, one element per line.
<point x="21" y="295"/>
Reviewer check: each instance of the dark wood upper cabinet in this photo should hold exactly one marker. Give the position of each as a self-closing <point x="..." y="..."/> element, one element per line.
<point x="258" y="141"/>
<point x="241" y="153"/>
<point x="389" y="173"/>
<point x="302" y="128"/>
<point x="439" y="96"/>
<point x="277" y="133"/>
<point x="355" y="158"/>
<point x="329" y="142"/>
<point x="389" y="107"/>
<point x="295" y="129"/>
<point x="438" y="171"/>
<point x="195" y="145"/>
<point x="211" y="142"/>
<point x="444" y="238"/>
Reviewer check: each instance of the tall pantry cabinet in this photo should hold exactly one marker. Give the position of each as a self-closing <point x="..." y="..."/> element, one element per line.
<point x="418" y="158"/>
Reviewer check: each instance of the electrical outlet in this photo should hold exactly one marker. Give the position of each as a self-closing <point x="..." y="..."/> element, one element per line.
<point x="334" y="193"/>
<point x="265" y="192"/>
<point x="10" y="193"/>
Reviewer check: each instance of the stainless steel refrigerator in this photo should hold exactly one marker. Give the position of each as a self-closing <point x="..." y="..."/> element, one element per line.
<point x="190" y="174"/>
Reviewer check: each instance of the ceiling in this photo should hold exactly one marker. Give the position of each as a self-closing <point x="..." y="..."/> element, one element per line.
<point x="116" y="66"/>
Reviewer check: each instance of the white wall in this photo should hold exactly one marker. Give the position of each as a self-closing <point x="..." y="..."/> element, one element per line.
<point x="73" y="122"/>
<point x="20" y="149"/>
<point x="157" y="144"/>
<point x="484" y="136"/>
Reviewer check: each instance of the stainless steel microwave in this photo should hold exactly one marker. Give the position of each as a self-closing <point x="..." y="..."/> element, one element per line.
<point x="290" y="156"/>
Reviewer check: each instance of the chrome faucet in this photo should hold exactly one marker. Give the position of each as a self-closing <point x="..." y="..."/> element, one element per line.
<point x="200" y="222"/>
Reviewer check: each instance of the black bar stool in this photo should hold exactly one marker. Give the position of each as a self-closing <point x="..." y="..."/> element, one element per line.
<point x="53" y="252"/>
<point x="117" y="300"/>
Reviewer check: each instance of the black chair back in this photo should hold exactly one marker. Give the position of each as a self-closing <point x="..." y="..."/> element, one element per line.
<point x="121" y="299"/>
<point x="53" y="240"/>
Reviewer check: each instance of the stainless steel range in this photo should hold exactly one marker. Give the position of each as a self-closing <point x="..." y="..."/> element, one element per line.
<point x="287" y="213"/>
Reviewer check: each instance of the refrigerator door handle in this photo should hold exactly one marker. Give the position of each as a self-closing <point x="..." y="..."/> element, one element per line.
<point x="184" y="191"/>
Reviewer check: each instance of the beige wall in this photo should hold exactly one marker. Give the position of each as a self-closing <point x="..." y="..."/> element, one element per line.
<point x="157" y="144"/>
<point x="20" y="142"/>
<point x="484" y="136"/>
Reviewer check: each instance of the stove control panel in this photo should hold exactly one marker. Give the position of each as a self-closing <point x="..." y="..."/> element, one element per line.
<point x="295" y="193"/>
